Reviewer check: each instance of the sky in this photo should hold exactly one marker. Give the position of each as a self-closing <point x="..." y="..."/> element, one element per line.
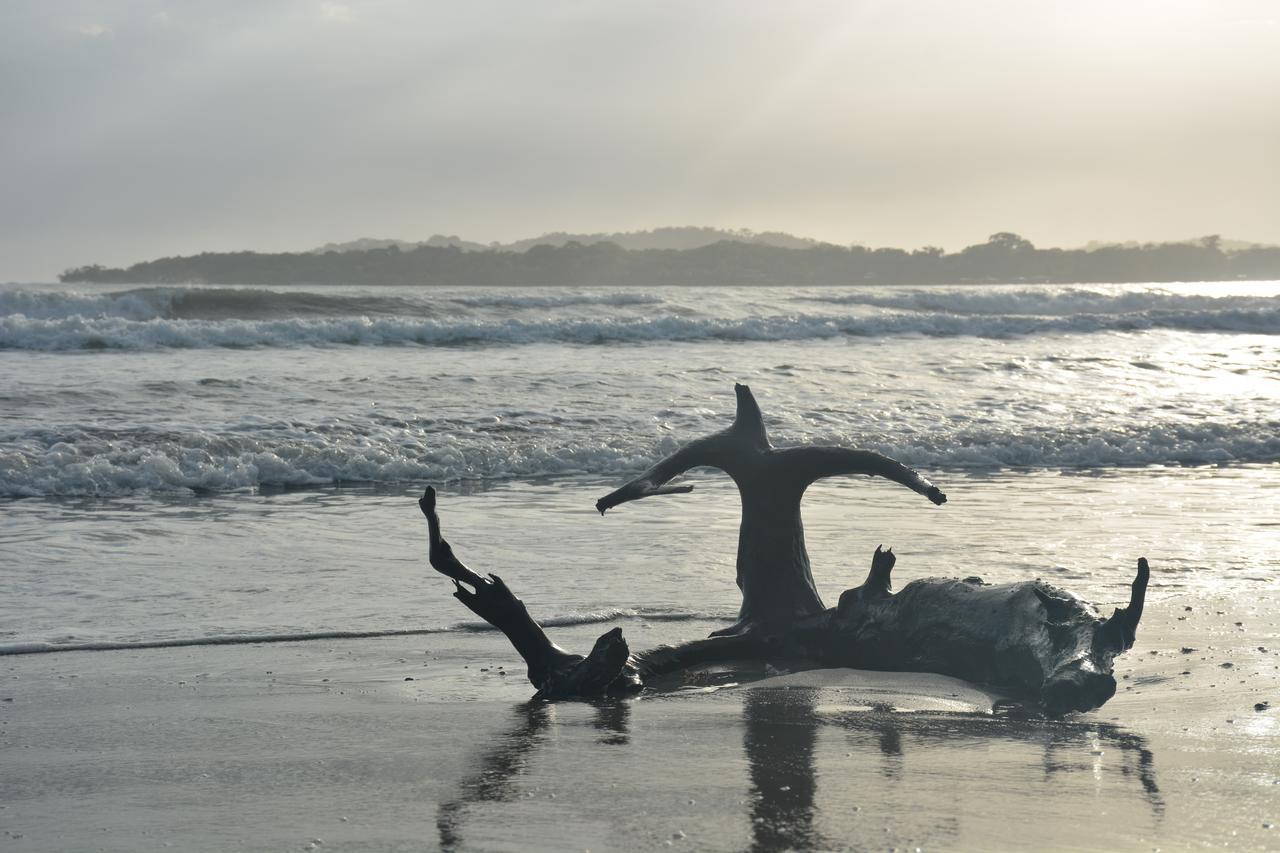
<point x="134" y="129"/>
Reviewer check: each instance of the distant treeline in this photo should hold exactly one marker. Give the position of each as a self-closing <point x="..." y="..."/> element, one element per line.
<point x="1005" y="257"/>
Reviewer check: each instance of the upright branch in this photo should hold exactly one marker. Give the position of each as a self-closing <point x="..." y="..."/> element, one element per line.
<point x="773" y="563"/>
<point x="1118" y="633"/>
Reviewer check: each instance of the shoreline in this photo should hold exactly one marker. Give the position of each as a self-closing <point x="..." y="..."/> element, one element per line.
<point x="296" y="563"/>
<point x="393" y="744"/>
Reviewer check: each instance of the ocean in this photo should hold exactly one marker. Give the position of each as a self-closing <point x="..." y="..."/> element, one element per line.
<point x="192" y="464"/>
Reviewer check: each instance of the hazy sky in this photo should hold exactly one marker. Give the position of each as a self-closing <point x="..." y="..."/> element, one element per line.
<point x="130" y="130"/>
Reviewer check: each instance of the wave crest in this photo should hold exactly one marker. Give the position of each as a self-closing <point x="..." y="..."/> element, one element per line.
<point x="85" y="462"/>
<point x="251" y="303"/>
<point x="116" y="333"/>
<point x="1042" y="301"/>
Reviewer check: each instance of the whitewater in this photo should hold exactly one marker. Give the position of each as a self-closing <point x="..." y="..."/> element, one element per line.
<point x="190" y="464"/>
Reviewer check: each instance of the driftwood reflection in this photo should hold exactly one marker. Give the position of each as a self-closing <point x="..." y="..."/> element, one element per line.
<point x="781" y="732"/>
<point x="781" y="729"/>
<point x="1135" y="755"/>
<point x="509" y="755"/>
<point x="1064" y="742"/>
<point x="498" y="766"/>
<point x="613" y="720"/>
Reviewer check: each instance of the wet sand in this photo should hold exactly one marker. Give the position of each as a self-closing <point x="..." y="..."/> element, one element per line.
<point x="389" y="745"/>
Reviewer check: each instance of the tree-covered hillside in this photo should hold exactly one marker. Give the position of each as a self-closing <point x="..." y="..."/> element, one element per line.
<point x="1005" y="257"/>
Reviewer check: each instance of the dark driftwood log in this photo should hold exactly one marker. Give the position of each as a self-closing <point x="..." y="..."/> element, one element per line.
<point x="1030" y="639"/>
<point x="556" y="673"/>
<point x="773" y="565"/>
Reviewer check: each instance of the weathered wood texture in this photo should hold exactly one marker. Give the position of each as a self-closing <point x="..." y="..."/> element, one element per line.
<point x="773" y="564"/>
<point x="1029" y="638"/>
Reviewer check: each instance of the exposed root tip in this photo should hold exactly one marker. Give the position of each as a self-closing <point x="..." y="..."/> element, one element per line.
<point x="1120" y="631"/>
<point x="749" y="420"/>
<point x="1138" y="594"/>
<point x="882" y="563"/>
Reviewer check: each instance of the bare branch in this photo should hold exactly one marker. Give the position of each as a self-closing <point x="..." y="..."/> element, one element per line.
<point x="815" y="463"/>
<point x="441" y="554"/>
<point x="729" y="450"/>
<point x="748" y="422"/>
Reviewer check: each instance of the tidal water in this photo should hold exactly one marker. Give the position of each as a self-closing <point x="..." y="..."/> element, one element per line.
<point x="194" y="464"/>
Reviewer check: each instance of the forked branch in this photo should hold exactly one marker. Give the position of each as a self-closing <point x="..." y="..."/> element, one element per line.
<point x="773" y="563"/>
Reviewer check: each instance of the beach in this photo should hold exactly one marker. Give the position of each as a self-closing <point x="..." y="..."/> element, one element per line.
<point x="428" y="741"/>
<point x="277" y="747"/>
<point x="220" y="630"/>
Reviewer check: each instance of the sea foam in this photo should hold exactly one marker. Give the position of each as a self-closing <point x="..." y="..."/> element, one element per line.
<point x="250" y="303"/>
<point x="87" y="461"/>
<point x="156" y="318"/>
<point x="18" y="332"/>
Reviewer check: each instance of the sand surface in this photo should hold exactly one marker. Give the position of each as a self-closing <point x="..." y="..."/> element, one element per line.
<point x="330" y="745"/>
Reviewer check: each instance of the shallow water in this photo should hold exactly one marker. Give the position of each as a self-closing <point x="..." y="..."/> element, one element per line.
<point x="977" y="377"/>
<point x="213" y="462"/>
<point x="162" y="568"/>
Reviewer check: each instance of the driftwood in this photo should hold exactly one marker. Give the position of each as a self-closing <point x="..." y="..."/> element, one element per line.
<point x="1029" y="638"/>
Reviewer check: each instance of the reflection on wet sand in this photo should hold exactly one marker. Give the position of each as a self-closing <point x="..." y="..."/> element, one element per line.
<point x="782" y="728"/>
<point x="1057" y="737"/>
<point x="509" y="756"/>
<point x="613" y="717"/>
<point x="498" y="765"/>
<point x="781" y="732"/>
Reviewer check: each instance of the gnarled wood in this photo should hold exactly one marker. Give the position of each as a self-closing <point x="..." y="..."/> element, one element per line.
<point x="555" y="672"/>
<point x="773" y="564"/>
<point x="1030" y="639"/>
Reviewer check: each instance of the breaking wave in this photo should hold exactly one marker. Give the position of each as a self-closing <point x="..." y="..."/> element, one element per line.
<point x="19" y="332"/>
<point x="247" y="303"/>
<point x="84" y="461"/>
<point x="1044" y="301"/>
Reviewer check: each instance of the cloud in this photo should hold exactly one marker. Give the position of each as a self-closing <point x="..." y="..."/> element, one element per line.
<point x="338" y="12"/>
<point x="225" y="124"/>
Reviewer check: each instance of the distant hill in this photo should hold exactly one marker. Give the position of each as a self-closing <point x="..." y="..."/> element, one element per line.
<point x="683" y="237"/>
<point x="1005" y="257"/>
<point x="1223" y="244"/>
<point x="678" y="238"/>
<point x="365" y="244"/>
